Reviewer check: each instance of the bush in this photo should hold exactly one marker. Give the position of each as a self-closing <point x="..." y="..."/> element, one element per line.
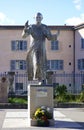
<point x="60" y="90"/>
<point x="82" y="96"/>
<point x="60" y="93"/>
<point x="17" y="100"/>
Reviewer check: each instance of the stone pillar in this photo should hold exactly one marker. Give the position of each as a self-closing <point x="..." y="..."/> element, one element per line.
<point x="3" y="90"/>
<point x="11" y="80"/>
<point x="49" y="76"/>
<point x="38" y="96"/>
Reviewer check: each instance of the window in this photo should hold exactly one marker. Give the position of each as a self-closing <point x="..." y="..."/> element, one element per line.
<point x="18" y="45"/>
<point x="82" y="43"/>
<point x="81" y="64"/>
<point x="55" y="64"/>
<point x="55" y="84"/>
<point x="18" y="65"/>
<point x="54" y="45"/>
<point x="69" y="84"/>
<point x="19" y="86"/>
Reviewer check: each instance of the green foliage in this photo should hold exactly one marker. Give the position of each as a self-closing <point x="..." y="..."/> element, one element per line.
<point x="82" y="96"/>
<point x="61" y="95"/>
<point x="60" y="91"/>
<point x="17" y="100"/>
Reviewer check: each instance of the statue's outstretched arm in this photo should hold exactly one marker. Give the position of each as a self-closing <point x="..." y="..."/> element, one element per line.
<point x="55" y="36"/>
<point x="50" y="36"/>
<point x="25" y="30"/>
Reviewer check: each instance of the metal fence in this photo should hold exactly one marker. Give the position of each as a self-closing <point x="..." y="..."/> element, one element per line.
<point x="73" y="81"/>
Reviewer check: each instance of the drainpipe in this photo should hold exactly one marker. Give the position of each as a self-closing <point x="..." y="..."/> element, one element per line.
<point x="74" y="63"/>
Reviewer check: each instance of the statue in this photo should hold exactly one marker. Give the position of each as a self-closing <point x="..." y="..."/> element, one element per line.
<point x="36" y="54"/>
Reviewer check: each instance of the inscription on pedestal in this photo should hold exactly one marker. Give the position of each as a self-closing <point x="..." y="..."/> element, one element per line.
<point x="41" y="92"/>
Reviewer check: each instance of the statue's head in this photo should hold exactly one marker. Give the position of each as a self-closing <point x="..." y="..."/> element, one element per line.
<point x="38" y="17"/>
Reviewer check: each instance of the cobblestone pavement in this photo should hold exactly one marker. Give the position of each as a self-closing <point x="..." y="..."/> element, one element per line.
<point x="65" y="119"/>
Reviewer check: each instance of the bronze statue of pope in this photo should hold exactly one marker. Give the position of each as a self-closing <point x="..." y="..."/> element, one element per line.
<point x="36" y="54"/>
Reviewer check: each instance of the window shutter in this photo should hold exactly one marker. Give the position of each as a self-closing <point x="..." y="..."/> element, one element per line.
<point x="79" y="64"/>
<point x="25" y="45"/>
<point x="24" y="66"/>
<point x="61" y="64"/>
<point x="48" y="64"/>
<point x="12" y="65"/>
<point x="13" y="47"/>
<point x="54" y="45"/>
<point x="82" y="43"/>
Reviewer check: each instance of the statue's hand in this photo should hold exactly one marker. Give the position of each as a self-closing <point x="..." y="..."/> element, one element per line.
<point x="26" y="25"/>
<point x="55" y="36"/>
<point x="24" y="32"/>
<point x="58" y="32"/>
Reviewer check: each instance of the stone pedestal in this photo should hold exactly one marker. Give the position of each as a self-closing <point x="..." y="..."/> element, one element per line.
<point x="38" y="95"/>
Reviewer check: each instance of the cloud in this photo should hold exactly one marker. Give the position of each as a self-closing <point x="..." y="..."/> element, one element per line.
<point x="77" y="4"/>
<point x="4" y="20"/>
<point x="75" y="20"/>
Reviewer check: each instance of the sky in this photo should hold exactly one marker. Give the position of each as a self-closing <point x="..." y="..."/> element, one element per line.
<point x="55" y="12"/>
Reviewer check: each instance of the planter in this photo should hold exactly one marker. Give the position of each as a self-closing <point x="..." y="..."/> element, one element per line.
<point x="43" y="123"/>
<point x="33" y="122"/>
<point x="51" y="122"/>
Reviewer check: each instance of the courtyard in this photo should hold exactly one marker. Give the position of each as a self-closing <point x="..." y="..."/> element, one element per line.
<point x="65" y="119"/>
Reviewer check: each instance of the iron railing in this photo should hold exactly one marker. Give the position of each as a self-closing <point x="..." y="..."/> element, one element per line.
<point x="73" y="81"/>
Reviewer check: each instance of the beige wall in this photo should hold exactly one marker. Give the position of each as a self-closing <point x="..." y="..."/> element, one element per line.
<point x="65" y="52"/>
<point x="6" y="36"/>
<point x="79" y="53"/>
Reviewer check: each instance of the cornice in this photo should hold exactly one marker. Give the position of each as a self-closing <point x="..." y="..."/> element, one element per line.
<point x="80" y="26"/>
<point x="17" y="27"/>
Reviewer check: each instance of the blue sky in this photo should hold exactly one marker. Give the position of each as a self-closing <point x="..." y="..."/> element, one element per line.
<point x="55" y="12"/>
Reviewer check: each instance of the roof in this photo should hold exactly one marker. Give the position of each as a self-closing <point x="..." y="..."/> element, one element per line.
<point x="80" y="26"/>
<point x="10" y="27"/>
<point x="16" y="27"/>
<point x="62" y="27"/>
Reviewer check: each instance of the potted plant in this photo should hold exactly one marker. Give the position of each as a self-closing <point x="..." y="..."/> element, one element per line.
<point x="42" y="115"/>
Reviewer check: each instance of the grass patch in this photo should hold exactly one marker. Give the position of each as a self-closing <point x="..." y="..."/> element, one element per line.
<point x="17" y="100"/>
<point x="70" y="98"/>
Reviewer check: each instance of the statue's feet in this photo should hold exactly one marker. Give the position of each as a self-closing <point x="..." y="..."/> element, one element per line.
<point x="35" y="79"/>
<point x="44" y="81"/>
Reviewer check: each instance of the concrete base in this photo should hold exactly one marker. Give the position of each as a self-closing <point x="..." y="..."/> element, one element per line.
<point x="39" y="95"/>
<point x="33" y="122"/>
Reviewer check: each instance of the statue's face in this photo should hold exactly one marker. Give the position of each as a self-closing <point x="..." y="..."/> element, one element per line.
<point x="38" y="19"/>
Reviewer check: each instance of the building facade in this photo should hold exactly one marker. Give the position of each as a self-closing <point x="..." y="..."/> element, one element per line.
<point x="79" y="56"/>
<point x="65" y="57"/>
